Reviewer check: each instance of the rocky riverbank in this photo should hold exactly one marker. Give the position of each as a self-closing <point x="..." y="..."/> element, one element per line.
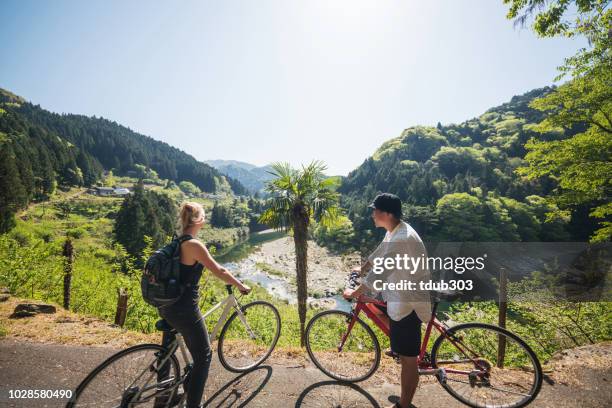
<point x="273" y="265"/>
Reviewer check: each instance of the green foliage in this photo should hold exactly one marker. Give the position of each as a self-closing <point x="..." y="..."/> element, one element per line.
<point x="477" y="160"/>
<point x="188" y="187"/>
<point x="337" y="237"/>
<point x="453" y="160"/>
<point x="40" y="150"/>
<point x="548" y="322"/>
<point x="580" y="165"/>
<point x="417" y="143"/>
<point x="553" y="18"/>
<point x="300" y="195"/>
<point x="488" y="217"/>
<point x="230" y="214"/>
<point x="144" y="213"/>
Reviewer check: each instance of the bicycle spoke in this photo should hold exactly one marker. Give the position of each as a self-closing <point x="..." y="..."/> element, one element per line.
<point x="487" y="381"/>
<point x="106" y="387"/>
<point x="360" y="353"/>
<point x="249" y="336"/>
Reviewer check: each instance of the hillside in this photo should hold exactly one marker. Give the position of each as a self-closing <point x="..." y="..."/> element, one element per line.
<point x="249" y="175"/>
<point x="459" y="182"/>
<point x="42" y="149"/>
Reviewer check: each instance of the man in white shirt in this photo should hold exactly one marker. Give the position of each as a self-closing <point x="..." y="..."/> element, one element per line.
<point x="393" y="262"/>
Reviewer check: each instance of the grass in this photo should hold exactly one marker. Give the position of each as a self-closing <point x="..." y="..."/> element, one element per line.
<point x="32" y="267"/>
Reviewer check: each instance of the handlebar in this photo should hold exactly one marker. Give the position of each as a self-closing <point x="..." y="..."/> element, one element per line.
<point x="353" y="280"/>
<point x="230" y="289"/>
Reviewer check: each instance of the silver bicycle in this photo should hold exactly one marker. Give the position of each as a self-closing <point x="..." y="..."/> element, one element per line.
<point x="129" y="378"/>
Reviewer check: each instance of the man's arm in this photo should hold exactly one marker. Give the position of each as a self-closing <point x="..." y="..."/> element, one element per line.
<point x="367" y="283"/>
<point x="363" y="269"/>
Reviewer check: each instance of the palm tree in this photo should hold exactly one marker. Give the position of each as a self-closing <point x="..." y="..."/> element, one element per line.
<point x="298" y="196"/>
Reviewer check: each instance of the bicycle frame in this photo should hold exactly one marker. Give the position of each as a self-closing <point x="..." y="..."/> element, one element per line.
<point x="229" y="303"/>
<point x="423" y="364"/>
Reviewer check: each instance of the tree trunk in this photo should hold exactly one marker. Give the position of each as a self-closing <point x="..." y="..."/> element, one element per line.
<point x="122" y="300"/>
<point x="300" y="232"/>
<point x="68" y="254"/>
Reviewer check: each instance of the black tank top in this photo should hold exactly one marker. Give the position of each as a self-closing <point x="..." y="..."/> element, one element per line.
<point x="190" y="274"/>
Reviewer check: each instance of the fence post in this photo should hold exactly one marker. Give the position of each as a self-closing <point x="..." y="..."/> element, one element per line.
<point x="503" y="306"/>
<point x="68" y="254"/>
<point x="121" y="307"/>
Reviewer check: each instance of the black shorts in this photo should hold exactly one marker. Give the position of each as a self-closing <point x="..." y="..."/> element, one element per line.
<point x="405" y="334"/>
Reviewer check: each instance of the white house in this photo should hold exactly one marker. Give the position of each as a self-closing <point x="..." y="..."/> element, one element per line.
<point x="122" y="191"/>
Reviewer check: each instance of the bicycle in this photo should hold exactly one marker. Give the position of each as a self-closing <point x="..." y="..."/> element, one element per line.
<point x="474" y="362"/>
<point x="246" y="340"/>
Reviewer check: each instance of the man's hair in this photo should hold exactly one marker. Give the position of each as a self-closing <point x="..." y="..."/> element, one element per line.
<point x="389" y="203"/>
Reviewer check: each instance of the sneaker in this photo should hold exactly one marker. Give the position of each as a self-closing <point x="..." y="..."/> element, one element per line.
<point x="392" y="354"/>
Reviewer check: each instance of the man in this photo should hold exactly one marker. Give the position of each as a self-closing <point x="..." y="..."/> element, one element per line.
<point x="406" y="309"/>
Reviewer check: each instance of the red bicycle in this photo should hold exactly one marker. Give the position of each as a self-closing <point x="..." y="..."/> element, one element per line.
<point x="479" y="364"/>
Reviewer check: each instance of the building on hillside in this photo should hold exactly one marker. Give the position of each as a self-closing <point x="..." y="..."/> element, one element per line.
<point x="103" y="191"/>
<point x="121" y="191"/>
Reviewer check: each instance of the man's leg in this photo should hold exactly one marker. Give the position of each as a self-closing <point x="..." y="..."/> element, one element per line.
<point x="410" y="380"/>
<point x="405" y="336"/>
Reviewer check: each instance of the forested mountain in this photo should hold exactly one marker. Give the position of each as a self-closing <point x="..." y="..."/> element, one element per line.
<point x="458" y="180"/>
<point x="40" y="149"/>
<point x="249" y="175"/>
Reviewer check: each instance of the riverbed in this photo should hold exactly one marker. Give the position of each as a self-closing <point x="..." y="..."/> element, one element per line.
<point x="268" y="259"/>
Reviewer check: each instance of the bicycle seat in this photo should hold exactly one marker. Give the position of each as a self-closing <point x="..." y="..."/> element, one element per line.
<point x="163" y="325"/>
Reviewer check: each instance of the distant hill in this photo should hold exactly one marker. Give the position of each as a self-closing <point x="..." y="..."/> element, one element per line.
<point x="42" y="149"/>
<point x="249" y="175"/>
<point x="458" y="181"/>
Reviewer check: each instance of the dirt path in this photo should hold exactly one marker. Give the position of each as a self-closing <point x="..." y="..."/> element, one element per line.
<point x="30" y="365"/>
<point x="56" y="351"/>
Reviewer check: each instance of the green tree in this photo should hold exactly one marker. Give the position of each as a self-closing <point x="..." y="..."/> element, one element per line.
<point x="337" y="237"/>
<point x="188" y="187"/>
<point x="144" y="213"/>
<point x="12" y="193"/>
<point x="297" y="197"/>
<point x="581" y="164"/>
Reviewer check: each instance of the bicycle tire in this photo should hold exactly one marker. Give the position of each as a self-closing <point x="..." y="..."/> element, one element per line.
<point x="538" y="368"/>
<point x="222" y="358"/>
<point x="85" y="382"/>
<point x="320" y="366"/>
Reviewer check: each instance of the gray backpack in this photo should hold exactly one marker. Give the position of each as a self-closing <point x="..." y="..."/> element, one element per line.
<point x="161" y="282"/>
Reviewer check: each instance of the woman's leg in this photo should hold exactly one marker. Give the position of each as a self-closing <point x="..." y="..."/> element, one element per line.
<point x="198" y="343"/>
<point x="167" y="338"/>
<point x="164" y="371"/>
<point x="190" y="323"/>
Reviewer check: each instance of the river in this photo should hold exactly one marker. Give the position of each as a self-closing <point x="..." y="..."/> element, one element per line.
<point x="243" y="259"/>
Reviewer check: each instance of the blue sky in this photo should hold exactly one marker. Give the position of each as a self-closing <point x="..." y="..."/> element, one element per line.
<point x="273" y="80"/>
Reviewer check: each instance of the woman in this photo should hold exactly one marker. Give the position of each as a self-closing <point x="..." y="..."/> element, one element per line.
<point x="185" y="315"/>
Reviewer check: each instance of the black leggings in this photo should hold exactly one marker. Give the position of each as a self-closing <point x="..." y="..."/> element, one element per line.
<point x="188" y="321"/>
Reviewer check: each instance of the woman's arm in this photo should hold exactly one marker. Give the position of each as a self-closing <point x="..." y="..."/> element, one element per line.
<point x="203" y="256"/>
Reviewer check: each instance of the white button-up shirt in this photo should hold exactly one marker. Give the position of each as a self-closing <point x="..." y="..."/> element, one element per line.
<point x="400" y="303"/>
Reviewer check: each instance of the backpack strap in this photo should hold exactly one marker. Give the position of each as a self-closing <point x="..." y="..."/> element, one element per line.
<point x="184" y="238"/>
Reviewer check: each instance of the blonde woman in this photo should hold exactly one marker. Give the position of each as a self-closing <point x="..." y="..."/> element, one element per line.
<point x="185" y="315"/>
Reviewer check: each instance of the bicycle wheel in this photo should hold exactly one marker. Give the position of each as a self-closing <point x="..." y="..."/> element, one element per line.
<point x="359" y="357"/>
<point x="487" y="374"/>
<point x="124" y="375"/>
<point x="247" y="340"/>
